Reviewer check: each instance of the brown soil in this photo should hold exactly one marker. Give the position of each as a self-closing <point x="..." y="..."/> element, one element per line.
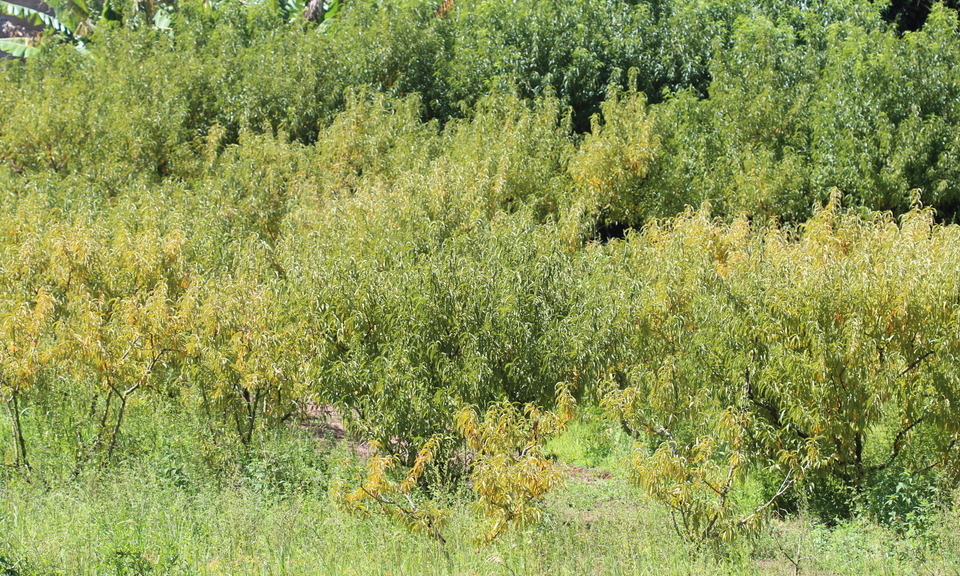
<point x="323" y="420"/>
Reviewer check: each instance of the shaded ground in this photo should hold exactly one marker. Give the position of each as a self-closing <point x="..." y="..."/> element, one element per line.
<point x="325" y="421"/>
<point x="16" y="28"/>
<point x="11" y="27"/>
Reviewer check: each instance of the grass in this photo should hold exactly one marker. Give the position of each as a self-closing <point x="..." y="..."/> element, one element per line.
<point x="139" y="519"/>
<point x="135" y="525"/>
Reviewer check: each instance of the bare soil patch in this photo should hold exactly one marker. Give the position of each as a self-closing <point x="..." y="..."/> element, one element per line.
<point x="325" y="421"/>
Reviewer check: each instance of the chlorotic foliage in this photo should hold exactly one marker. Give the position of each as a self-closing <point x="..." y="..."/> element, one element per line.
<point x="511" y="474"/>
<point x="379" y="490"/>
<point x="813" y="354"/>
<point x="508" y="469"/>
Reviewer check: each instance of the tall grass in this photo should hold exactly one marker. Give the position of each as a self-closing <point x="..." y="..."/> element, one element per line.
<point x="146" y="520"/>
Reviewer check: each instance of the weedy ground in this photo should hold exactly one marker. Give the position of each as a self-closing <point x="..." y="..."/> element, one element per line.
<point x="276" y="518"/>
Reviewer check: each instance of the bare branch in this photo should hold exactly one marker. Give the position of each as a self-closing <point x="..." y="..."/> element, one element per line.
<point x="784" y="486"/>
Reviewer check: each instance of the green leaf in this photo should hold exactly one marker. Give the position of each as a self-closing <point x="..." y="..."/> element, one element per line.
<point x="162" y="20"/>
<point x="19" y="47"/>
<point x="332" y="9"/>
<point x="36" y="17"/>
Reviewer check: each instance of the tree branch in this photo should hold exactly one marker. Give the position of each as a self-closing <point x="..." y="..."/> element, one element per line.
<point x="915" y="363"/>
<point x="898" y="443"/>
<point x="784" y="486"/>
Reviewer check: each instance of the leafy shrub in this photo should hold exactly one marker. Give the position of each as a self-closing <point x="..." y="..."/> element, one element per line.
<point x="284" y="468"/>
<point x="406" y="345"/>
<point x="904" y="499"/>
<point x="802" y="104"/>
<point x="614" y="160"/>
<point x="785" y="353"/>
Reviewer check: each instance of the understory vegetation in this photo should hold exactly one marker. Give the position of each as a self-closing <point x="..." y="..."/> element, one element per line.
<point x="613" y="287"/>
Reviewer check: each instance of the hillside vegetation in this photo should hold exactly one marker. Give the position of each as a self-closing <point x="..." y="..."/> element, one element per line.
<point x="714" y="240"/>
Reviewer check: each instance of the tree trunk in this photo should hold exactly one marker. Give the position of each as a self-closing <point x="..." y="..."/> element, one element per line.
<point x="13" y="407"/>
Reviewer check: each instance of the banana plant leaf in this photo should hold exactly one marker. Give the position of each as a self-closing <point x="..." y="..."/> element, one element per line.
<point x="19" y="47"/>
<point x="35" y="17"/>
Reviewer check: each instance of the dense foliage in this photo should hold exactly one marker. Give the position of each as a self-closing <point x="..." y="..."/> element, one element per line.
<point x="402" y="213"/>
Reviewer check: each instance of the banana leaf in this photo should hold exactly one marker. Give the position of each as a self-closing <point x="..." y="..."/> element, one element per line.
<point x="35" y="17"/>
<point x="19" y="47"/>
